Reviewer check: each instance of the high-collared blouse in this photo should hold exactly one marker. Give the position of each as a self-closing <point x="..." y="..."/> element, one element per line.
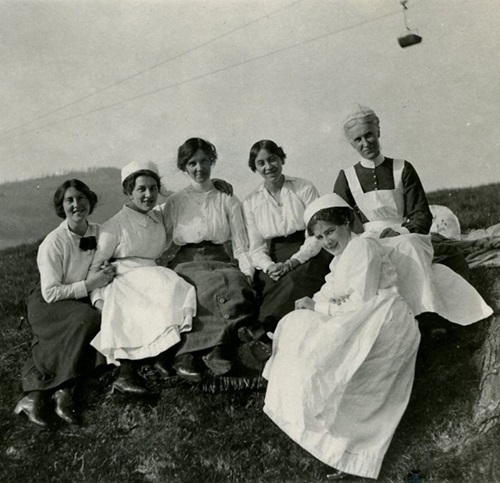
<point x="63" y="265"/>
<point x="195" y="215"/>
<point x="267" y="219"/>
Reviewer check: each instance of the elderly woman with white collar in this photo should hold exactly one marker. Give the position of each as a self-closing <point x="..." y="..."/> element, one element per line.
<point x="147" y="307"/>
<point x="342" y="368"/>
<point x="386" y="194"/>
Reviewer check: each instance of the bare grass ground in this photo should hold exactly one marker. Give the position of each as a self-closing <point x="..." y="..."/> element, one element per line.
<point x="182" y="434"/>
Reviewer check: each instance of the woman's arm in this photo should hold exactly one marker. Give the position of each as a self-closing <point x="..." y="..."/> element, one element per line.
<point x="355" y="279"/>
<point x="51" y="265"/>
<point x="239" y="237"/>
<point x="107" y="243"/>
<point x="259" y="253"/>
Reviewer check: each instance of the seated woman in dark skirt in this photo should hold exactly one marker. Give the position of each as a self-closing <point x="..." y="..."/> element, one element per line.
<point x="290" y="266"/>
<point x="203" y="220"/>
<point x="60" y="315"/>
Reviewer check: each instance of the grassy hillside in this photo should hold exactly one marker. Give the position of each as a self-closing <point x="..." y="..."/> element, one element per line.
<point x="182" y="434"/>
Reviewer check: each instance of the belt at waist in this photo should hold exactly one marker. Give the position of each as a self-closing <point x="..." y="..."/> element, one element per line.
<point x="202" y="244"/>
<point x="298" y="236"/>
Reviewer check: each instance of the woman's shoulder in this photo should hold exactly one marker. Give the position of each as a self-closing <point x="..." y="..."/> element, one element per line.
<point x="254" y="195"/>
<point x="299" y="183"/>
<point x="55" y="239"/>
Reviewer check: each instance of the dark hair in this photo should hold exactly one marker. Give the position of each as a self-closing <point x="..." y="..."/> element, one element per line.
<point x="78" y="185"/>
<point x="337" y="216"/>
<point x="128" y="184"/>
<point x="189" y="148"/>
<point x="269" y="146"/>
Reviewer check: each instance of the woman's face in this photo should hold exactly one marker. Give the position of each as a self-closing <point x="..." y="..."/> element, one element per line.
<point x="144" y="195"/>
<point x="199" y="167"/>
<point x="76" y="206"/>
<point x="334" y="238"/>
<point x="269" y="166"/>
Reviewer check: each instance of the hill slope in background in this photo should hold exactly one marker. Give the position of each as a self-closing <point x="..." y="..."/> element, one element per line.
<point x="26" y="211"/>
<point x="27" y="215"/>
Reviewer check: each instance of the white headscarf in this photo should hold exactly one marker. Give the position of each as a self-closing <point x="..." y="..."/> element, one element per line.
<point x="360" y="114"/>
<point x="331" y="200"/>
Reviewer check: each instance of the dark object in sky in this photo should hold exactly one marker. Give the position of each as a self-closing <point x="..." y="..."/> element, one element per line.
<point x="409" y="39"/>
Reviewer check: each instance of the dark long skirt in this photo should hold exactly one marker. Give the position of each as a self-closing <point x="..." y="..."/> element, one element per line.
<point x="225" y="299"/>
<point x="61" y="349"/>
<point x="446" y="253"/>
<point x="278" y="298"/>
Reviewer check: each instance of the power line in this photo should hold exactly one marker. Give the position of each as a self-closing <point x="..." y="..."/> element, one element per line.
<point x="137" y="74"/>
<point x="207" y="74"/>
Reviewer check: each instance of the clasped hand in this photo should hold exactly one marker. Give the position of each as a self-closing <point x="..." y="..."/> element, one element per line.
<point x="305" y="303"/>
<point x="100" y="278"/>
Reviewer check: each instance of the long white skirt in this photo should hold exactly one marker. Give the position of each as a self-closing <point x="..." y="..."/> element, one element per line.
<point x="432" y="287"/>
<point x="338" y="386"/>
<point x="146" y="308"/>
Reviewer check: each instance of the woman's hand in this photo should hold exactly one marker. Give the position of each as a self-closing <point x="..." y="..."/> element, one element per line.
<point x="223" y="186"/>
<point x="277" y="270"/>
<point x="305" y="303"/>
<point x="389" y="232"/>
<point x="99" y="279"/>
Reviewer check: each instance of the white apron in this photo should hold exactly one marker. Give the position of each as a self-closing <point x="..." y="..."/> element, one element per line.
<point x="383" y="208"/>
<point x="425" y="286"/>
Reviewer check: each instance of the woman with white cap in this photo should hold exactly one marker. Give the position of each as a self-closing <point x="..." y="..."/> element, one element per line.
<point x="342" y="368"/>
<point x="147" y="307"/>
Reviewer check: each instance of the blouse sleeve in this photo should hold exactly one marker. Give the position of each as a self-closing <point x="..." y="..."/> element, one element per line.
<point x="50" y="262"/>
<point x="239" y="237"/>
<point x="311" y="246"/>
<point x="107" y="243"/>
<point x="342" y="189"/>
<point x="417" y="213"/>
<point x="357" y="276"/>
<point x="259" y="253"/>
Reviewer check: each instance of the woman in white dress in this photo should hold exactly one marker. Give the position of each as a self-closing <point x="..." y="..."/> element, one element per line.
<point x="342" y="367"/>
<point x="205" y="220"/>
<point x="59" y="310"/>
<point x="289" y="265"/>
<point x="147" y="307"/>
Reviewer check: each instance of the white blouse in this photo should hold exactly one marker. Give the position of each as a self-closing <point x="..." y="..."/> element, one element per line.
<point x="63" y="265"/>
<point x="267" y="219"/>
<point x="197" y="216"/>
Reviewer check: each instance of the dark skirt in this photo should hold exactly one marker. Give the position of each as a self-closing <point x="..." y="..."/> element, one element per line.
<point x="448" y="254"/>
<point x="225" y="300"/>
<point x="278" y="298"/>
<point x="61" y="349"/>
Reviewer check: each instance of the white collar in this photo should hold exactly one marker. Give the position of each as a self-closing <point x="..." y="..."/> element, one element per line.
<point x="368" y="163"/>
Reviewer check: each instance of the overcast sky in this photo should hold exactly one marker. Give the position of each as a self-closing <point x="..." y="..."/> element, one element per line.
<point x="236" y="71"/>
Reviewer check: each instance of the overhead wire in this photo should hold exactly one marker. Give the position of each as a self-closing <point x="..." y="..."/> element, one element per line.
<point x="207" y="74"/>
<point x="143" y="71"/>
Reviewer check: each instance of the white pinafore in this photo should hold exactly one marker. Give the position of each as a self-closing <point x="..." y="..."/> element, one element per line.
<point x="426" y="287"/>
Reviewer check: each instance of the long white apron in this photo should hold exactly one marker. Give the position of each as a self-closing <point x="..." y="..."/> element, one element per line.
<point x="146" y="307"/>
<point x="339" y="386"/>
<point x="426" y="286"/>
